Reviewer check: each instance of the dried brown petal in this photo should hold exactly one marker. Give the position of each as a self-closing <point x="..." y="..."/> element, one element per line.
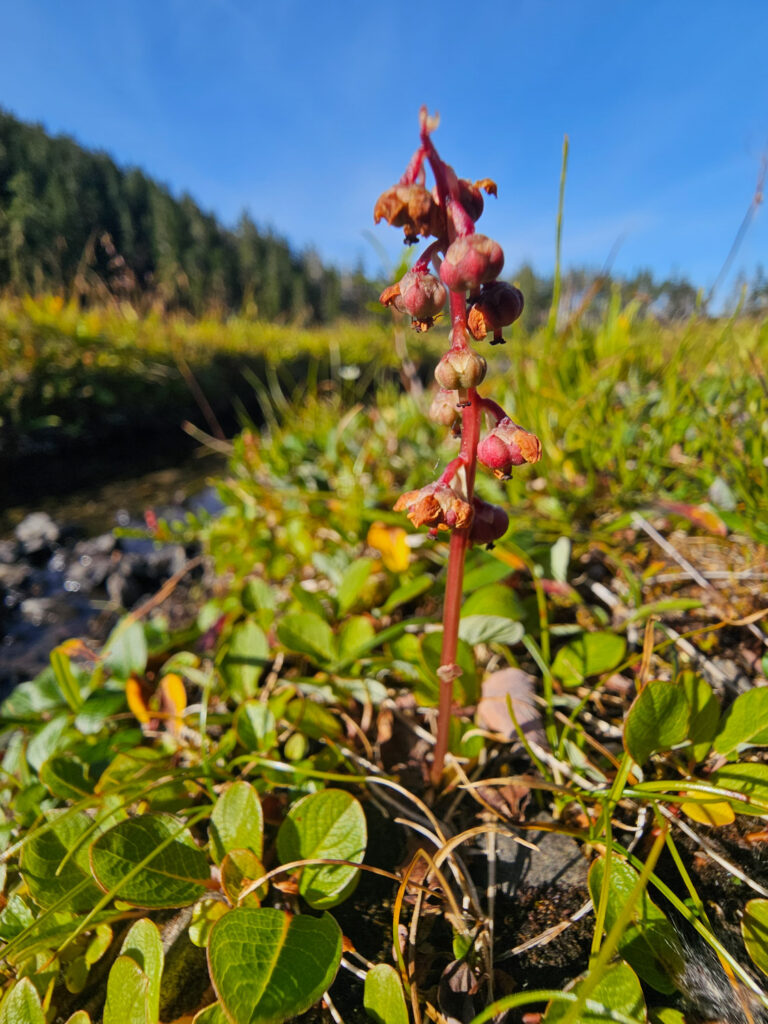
<point x="437" y="505"/>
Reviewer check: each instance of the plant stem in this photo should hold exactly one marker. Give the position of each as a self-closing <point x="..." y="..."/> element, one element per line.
<point x="470" y="434"/>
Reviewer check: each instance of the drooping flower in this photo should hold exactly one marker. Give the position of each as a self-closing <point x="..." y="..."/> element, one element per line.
<point x="508" y="445"/>
<point x="471" y="261"/>
<point x="438" y="506"/>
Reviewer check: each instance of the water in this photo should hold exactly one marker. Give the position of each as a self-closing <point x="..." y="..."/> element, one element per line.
<point x="99" y="507"/>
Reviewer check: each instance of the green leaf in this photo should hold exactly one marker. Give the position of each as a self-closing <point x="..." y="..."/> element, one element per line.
<point x="22" y="1005"/>
<point x="306" y="633"/>
<point x="205" y="914"/>
<point x="618" y="989"/>
<point x="666" y="1015"/>
<point x="705" y="713"/>
<point x="79" y="1017"/>
<point x="258" y="596"/>
<point x="128" y="1000"/>
<point x="142" y="944"/>
<point x="591" y="654"/>
<point x="97" y="709"/>
<point x="65" y="677"/>
<point x="329" y="824"/>
<point x="238" y="869"/>
<point x="126" y="650"/>
<point x="383" y="997"/>
<point x="407" y="592"/>
<point x="489" y="629"/>
<point x="658" y="719"/>
<point x="749" y="778"/>
<point x="53" y="737"/>
<point x="268" y="966"/>
<point x="150" y="861"/>
<point x="352" y="582"/>
<point x="66" y="777"/>
<point x="43" y="866"/>
<point x="314" y="721"/>
<point x="355" y="637"/>
<point x="649" y="943"/>
<point x="495" y="599"/>
<point x="237" y="821"/>
<point x="754" y="931"/>
<point x="746" y="722"/>
<point x="255" y="727"/>
<point x="246" y="656"/>
<point x="489" y="571"/>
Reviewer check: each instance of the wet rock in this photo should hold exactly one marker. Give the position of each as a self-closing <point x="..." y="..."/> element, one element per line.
<point x="9" y="550"/>
<point x="37" y="533"/>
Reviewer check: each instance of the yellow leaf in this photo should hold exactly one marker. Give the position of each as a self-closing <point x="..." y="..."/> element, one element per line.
<point x="718" y="813"/>
<point x="390" y="541"/>
<point x="174" y="698"/>
<point x="135" y="700"/>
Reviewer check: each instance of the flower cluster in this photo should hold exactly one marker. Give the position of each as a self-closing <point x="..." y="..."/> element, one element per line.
<point x="461" y="266"/>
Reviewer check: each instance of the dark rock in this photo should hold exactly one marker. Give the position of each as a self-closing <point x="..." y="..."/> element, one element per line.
<point x="37" y="533"/>
<point x="558" y="860"/>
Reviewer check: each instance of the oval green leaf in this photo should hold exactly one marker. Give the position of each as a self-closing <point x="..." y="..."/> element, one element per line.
<point x="657" y="720"/>
<point x="255" y="727"/>
<point x="383" y="996"/>
<point x="748" y="778"/>
<point x="55" y="866"/>
<point x="329" y="824"/>
<point x="150" y="861"/>
<point x="754" y="931"/>
<point x="307" y="633"/>
<point x="127" y="994"/>
<point x="22" y="1005"/>
<point x="649" y="943"/>
<point x="246" y="656"/>
<point x="489" y="629"/>
<point x="746" y="722"/>
<point x="618" y="989"/>
<point x="267" y="966"/>
<point x="237" y="821"/>
<point x="590" y="654"/>
<point x="143" y="944"/>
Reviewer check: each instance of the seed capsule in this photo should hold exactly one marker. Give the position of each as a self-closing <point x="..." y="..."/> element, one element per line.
<point x="471" y="261"/>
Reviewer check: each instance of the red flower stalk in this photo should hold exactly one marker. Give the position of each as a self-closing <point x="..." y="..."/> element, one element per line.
<point x="469" y="271"/>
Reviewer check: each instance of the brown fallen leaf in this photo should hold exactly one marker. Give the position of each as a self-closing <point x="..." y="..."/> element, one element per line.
<point x="505" y="693"/>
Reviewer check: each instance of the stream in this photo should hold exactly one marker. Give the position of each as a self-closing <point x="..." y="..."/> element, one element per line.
<point x="63" y="573"/>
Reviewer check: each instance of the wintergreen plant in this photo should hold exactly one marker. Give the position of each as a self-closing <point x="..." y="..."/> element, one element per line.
<point x="468" y="265"/>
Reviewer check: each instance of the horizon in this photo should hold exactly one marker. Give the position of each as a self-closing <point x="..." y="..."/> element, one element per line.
<point x="661" y="170"/>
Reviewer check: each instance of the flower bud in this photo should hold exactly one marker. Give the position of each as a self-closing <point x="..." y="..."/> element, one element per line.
<point x="460" y="369"/>
<point x="443" y="407"/>
<point x="499" y="305"/>
<point x="508" y="445"/>
<point x="471" y="261"/>
<point x="422" y="294"/>
<point x="438" y="506"/>
<point x="489" y="524"/>
<point x="412" y="208"/>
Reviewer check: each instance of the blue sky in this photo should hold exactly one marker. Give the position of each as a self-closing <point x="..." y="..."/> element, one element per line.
<point x="302" y="112"/>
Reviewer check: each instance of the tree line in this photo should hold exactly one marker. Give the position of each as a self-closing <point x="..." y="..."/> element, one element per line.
<point x="72" y="220"/>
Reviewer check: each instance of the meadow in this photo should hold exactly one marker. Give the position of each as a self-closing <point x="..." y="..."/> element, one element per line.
<point x="262" y="776"/>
